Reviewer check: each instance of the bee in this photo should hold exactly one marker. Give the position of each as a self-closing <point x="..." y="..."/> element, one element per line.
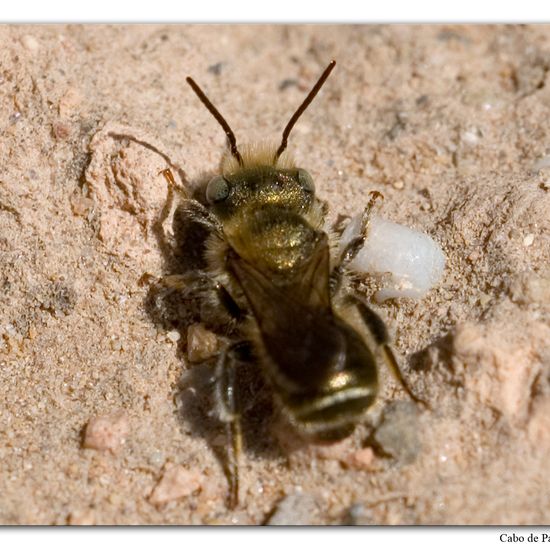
<point x="271" y="269"/>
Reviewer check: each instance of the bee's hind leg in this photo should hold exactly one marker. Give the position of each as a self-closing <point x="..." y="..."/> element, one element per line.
<point x="380" y="335"/>
<point x="230" y="411"/>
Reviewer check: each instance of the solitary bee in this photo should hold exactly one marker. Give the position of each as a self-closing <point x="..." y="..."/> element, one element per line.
<point x="270" y="267"/>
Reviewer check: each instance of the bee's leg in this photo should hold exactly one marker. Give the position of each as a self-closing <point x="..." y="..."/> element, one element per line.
<point x="199" y="282"/>
<point x="121" y="134"/>
<point x="323" y="210"/>
<point x="196" y="281"/>
<point x="192" y="208"/>
<point x="229" y="412"/>
<point x="158" y="228"/>
<point x="380" y="335"/>
<point x="169" y="177"/>
<point x="353" y="247"/>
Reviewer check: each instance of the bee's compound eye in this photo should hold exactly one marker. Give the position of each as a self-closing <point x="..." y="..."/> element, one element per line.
<point x="217" y="190"/>
<point x="306" y="181"/>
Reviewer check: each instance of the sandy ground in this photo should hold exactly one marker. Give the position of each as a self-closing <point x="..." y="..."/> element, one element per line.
<point x="104" y="419"/>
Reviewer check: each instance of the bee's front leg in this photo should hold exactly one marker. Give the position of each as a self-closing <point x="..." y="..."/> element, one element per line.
<point x="380" y="335"/>
<point x="354" y="246"/>
<point x="230" y="411"/>
<point x="195" y="210"/>
<point x="197" y="219"/>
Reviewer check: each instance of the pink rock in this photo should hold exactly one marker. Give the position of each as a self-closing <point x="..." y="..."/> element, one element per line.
<point x="361" y="459"/>
<point x="176" y="482"/>
<point x="106" y="432"/>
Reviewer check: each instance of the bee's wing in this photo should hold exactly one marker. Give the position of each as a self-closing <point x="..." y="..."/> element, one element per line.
<point x="295" y="319"/>
<point x="308" y="289"/>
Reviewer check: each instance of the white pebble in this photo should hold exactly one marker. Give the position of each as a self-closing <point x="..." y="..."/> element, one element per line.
<point x="173" y="336"/>
<point x="471" y="136"/>
<point x="529" y="239"/>
<point x="407" y="262"/>
<point x="30" y="43"/>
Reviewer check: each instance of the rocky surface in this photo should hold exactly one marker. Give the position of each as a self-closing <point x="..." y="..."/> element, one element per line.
<point x="448" y="122"/>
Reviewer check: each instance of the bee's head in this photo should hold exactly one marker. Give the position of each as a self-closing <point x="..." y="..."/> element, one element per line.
<point x="260" y="175"/>
<point x="257" y="185"/>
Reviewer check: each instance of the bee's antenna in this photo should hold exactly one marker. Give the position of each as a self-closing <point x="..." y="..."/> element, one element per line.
<point x="302" y="108"/>
<point x="216" y="114"/>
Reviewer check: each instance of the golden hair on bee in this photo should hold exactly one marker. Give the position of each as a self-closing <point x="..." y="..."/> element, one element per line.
<point x="256" y="154"/>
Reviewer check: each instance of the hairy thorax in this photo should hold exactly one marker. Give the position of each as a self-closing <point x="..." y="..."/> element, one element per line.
<point x="272" y="238"/>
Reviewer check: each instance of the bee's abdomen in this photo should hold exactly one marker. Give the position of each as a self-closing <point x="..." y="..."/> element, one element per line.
<point x="328" y="381"/>
<point x="325" y="416"/>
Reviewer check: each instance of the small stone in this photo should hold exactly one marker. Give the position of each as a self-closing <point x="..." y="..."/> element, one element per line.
<point x="397" y="434"/>
<point x="173" y="336"/>
<point x="529" y="239"/>
<point x="362" y="459"/>
<point x="471" y="136"/>
<point x="294" y="509"/>
<point x="498" y="361"/>
<point x="61" y="130"/>
<point x="240" y="518"/>
<point x="484" y="299"/>
<point x="80" y="204"/>
<point x="14" y="117"/>
<point x="30" y="43"/>
<point x="177" y="482"/>
<point x="357" y="515"/>
<point x="216" y="68"/>
<point x="106" y="432"/>
<point x="81" y="517"/>
<point x="201" y="343"/>
<point x="116" y="344"/>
